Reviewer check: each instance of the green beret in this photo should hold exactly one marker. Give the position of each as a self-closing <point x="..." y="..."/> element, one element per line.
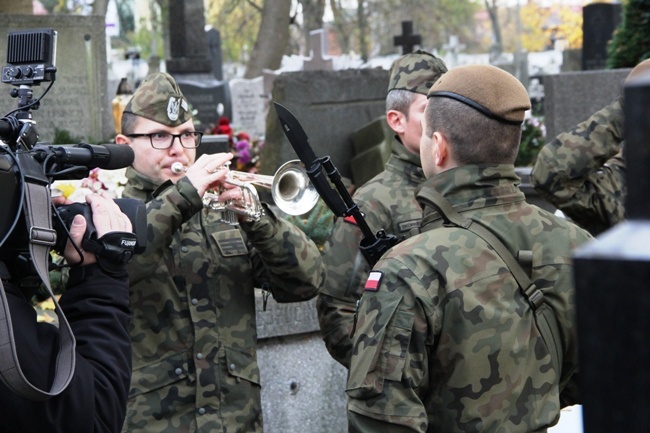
<point x="160" y="99"/>
<point x="415" y="72"/>
<point x="488" y="89"/>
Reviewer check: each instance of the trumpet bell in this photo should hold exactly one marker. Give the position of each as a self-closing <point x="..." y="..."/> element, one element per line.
<point x="292" y="191"/>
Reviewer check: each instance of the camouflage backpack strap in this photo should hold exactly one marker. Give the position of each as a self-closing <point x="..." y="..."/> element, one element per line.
<point x="545" y="318"/>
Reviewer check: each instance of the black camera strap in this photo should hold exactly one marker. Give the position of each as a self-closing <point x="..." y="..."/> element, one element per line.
<point x="41" y="238"/>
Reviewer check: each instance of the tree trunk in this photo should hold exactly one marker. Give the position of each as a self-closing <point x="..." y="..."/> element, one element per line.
<point x="100" y="7"/>
<point x="24" y="7"/>
<point x="363" y="31"/>
<point x="312" y="13"/>
<point x="272" y="38"/>
<point x="497" y="44"/>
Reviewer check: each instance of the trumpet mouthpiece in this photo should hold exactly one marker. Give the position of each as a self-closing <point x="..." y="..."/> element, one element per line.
<point x="178" y="168"/>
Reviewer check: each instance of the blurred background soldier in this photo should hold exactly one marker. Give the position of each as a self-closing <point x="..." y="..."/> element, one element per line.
<point x="582" y="171"/>
<point x="387" y="201"/>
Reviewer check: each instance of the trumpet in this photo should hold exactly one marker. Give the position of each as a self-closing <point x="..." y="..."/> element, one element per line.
<point x="292" y="192"/>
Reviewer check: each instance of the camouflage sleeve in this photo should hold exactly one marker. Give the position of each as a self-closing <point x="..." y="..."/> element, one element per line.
<point x="389" y="367"/>
<point x="284" y="257"/>
<point x="347" y="271"/>
<point x="582" y="171"/>
<point x="165" y="214"/>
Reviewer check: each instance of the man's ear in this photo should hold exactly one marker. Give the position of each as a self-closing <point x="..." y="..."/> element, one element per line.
<point x="394" y="119"/>
<point x="122" y="139"/>
<point x="441" y="147"/>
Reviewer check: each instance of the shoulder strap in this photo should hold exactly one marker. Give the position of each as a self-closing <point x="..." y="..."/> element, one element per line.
<point x="41" y="238"/>
<point x="545" y="318"/>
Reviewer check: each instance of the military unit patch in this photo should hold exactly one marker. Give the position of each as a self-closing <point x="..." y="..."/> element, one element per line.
<point x="373" y="281"/>
<point x="230" y="242"/>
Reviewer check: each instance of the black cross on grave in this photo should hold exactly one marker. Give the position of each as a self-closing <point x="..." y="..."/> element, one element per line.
<point x="407" y="40"/>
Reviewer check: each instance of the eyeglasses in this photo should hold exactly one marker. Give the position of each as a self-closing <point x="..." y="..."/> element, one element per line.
<point x="165" y="140"/>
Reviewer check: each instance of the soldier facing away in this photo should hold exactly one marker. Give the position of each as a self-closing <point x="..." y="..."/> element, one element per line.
<point x="387" y="200"/>
<point x="192" y="290"/>
<point x="446" y="340"/>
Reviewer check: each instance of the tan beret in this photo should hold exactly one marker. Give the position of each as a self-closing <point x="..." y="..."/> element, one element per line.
<point x="160" y="99"/>
<point x="638" y="70"/>
<point x="488" y="89"/>
<point x="415" y="72"/>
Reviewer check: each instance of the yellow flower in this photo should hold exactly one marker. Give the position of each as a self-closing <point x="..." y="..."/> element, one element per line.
<point x="65" y="188"/>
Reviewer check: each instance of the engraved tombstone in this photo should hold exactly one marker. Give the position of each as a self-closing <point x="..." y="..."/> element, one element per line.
<point x="249" y="105"/>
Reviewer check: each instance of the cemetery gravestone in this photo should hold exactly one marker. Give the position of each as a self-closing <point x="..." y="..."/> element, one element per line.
<point x="330" y="105"/>
<point x="187" y="38"/>
<point x="78" y="101"/>
<point x="190" y="65"/>
<point x="599" y="22"/>
<point x="571" y="97"/>
<point x="249" y="106"/>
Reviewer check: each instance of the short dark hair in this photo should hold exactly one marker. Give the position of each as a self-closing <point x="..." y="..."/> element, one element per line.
<point x="400" y="100"/>
<point x="474" y="138"/>
<point x="128" y="123"/>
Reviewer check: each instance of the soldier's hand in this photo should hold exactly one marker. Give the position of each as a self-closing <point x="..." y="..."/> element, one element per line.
<point x="208" y="171"/>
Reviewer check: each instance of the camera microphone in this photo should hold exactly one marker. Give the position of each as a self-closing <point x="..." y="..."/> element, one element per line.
<point x="106" y="156"/>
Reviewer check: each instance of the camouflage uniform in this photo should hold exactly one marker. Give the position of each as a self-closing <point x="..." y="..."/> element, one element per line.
<point x="193" y="327"/>
<point x="388" y="202"/>
<point x="446" y="341"/>
<point x="582" y="171"/>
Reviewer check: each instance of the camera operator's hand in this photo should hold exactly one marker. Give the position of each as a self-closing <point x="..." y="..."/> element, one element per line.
<point x="107" y="217"/>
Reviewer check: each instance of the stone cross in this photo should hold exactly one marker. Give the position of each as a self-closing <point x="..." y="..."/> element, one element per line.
<point x="454" y="48"/>
<point x="318" y="60"/>
<point x="407" y="40"/>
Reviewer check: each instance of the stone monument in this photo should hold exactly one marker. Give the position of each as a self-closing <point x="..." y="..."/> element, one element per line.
<point x="191" y="65"/>
<point x="598" y="24"/>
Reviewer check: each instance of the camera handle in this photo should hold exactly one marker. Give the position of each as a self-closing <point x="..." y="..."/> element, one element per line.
<point x="41" y="238"/>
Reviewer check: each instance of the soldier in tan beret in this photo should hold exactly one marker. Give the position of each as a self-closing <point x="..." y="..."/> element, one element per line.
<point x="387" y="200"/>
<point x="192" y="291"/>
<point x="582" y="171"/>
<point x="448" y="337"/>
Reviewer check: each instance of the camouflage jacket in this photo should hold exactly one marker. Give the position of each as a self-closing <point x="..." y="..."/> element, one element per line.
<point x="388" y="202"/>
<point x="582" y="171"/>
<point x="192" y="293"/>
<point x="446" y="341"/>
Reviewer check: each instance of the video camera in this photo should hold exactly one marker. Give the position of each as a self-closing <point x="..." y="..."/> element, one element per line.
<point x="27" y="163"/>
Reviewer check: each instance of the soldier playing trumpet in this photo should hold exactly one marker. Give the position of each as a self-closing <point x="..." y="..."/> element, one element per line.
<point x="192" y="291"/>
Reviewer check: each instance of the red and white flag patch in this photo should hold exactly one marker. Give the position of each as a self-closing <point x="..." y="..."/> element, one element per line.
<point x="373" y="281"/>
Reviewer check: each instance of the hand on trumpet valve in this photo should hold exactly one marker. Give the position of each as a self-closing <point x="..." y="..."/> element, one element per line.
<point x="209" y="171"/>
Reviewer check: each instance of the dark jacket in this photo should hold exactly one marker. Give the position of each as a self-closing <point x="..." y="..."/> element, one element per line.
<point x="97" y="308"/>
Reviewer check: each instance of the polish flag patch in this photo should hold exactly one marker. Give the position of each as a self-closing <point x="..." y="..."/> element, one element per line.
<point x="373" y="281"/>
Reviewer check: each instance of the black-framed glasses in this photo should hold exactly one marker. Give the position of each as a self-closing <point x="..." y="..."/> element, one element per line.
<point x="165" y="140"/>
